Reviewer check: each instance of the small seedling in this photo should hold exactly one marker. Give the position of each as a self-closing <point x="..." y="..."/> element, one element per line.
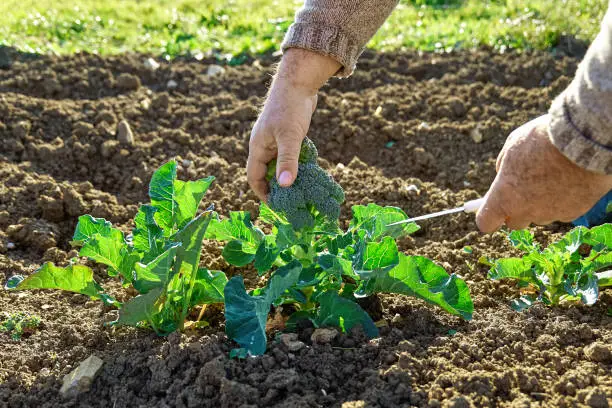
<point x="18" y="324"/>
<point x="569" y="270"/>
<point x="159" y="259"/>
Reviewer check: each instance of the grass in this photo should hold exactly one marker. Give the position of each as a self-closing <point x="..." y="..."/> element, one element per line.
<point x="230" y="28"/>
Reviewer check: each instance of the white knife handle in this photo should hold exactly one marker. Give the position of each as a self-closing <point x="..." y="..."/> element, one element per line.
<point x="473" y="206"/>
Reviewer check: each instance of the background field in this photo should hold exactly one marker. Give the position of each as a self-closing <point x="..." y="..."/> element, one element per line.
<point x="230" y="28"/>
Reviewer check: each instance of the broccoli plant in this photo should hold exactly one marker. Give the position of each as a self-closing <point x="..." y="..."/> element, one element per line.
<point x="569" y="270"/>
<point x="18" y="324"/>
<point x="320" y="269"/>
<point x="159" y="259"/>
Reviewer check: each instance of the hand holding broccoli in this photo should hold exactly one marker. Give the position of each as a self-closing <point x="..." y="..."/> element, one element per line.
<point x="314" y="191"/>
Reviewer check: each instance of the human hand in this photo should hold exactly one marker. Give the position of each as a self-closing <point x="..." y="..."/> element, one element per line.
<point x="537" y="184"/>
<point x="285" y="118"/>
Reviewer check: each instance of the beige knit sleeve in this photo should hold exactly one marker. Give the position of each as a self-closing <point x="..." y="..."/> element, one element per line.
<point x="581" y="117"/>
<point x="337" y="28"/>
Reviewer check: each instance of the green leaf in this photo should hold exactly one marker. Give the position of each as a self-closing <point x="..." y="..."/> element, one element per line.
<point x="336" y="265"/>
<point x="238" y="227"/>
<point x="338" y="311"/>
<point x="285" y="236"/>
<point x="246" y="315"/>
<point x="156" y="273"/>
<point x="421" y="277"/>
<point x="267" y="215"/>
<point x="190" y="238"/>
<point x="176" y="201"/>
<point x="514" y="268"/>
<point x="236" y="254"/>
<point x="600" y="235"/>
<point x="139" y="309"/>
<point x="588" y="290"/>
<point x="523" y="240"/>
<point x="72" y="278"/>
<point x="208" y="288"/>
<point x="147" y="236"/>
<point x="376" y="256"/>
<point x="88" y="227"/>
<point x="375" y="220"/>
<point x="112" y="251"/>
<point x="266" y="255"/>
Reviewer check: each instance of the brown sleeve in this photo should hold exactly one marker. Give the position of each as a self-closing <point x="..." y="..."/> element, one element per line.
<point x="337" y="28"/>
<point x="581" y="117"/>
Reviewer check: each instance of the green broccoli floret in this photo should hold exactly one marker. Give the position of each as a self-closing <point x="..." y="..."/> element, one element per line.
<point x="313" y="189"/>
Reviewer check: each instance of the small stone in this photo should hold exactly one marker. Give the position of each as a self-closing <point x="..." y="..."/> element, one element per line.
<point x="323" y="336"/>
<point x="161" y="101"/>
<point x="172" y="84"/>
<point x="80" y="379"/>
<point x="124" y="133"/>
<point x="353" y="404"/>
<point x="151" y="64"/>
<point x="128" y="82"/>
<point x="476" y="135"/>
<point x="290" y="340"/>
<point x="215" y="70"/>
<point x="187" y="163"/>
<point x="412" y="188"/>
<point x="423" y="126"/>
<point x="10" y="245"/>
<point x="597" y="399"/>
<point x="397" y="319"/>
<point x="145" y="104"/>
<point x="598" y="352"/>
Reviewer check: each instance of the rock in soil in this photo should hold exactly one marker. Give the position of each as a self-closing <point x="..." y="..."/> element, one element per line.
<point x="323" y="336"/>
<point x="80" y="379"/>
<point x="124" y="133"/>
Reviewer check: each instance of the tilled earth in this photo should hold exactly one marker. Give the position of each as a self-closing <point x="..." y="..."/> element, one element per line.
<point x="416" y="131"/>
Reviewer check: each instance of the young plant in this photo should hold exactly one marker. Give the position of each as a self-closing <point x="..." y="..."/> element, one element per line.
<point x="320" y="269"/>
<point x="159" y="259"/>
<point x="18" y="324"/>
<point x="569" y="270"/>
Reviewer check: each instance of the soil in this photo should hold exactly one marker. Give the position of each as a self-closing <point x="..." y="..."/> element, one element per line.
<point x="419" y="131"/>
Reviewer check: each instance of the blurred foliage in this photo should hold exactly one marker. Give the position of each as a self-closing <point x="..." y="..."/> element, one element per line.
<point x="236" y="27"/>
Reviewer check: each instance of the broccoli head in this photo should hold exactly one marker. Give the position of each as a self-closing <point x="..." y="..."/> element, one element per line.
<point x="313" y="189"/>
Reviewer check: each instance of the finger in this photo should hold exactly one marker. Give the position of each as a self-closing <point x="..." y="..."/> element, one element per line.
<point x="517" y="224"/>
<point x="491" y="215"/>
<point x="287" y="160"/>
<point x="257" y="167"/>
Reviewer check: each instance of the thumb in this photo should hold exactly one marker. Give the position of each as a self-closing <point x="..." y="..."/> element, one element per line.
<point x="287" y="160"/>
<point x="491" y="216"/>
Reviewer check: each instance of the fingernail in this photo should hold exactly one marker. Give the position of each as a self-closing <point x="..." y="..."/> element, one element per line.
<point x="284" y="179"/>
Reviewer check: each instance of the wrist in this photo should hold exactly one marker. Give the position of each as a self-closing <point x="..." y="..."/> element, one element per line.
<point x="305" y="70"/>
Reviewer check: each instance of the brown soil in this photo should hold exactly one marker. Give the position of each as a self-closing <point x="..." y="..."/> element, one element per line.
<point x="402" y="120"/>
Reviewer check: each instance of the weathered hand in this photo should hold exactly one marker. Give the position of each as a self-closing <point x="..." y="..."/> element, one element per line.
<point x="536" y="184"/>
<point x="285" y="119"/>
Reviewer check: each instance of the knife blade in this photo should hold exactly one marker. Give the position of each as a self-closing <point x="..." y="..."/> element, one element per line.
<point x="468" y="207"/>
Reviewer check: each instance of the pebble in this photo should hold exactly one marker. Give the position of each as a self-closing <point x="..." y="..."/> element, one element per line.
<point x="10" y="245"/>
<point x="80" y="379"/>
<point x="124" y="133"/>
<point x="151" y="64"/>
<point x="323" y="336"/>
<point x="476" y="135"/>
<point x="172" y="84"/>
<point x="128" y="82"/>
<point x="290" y="340"/>
<point x="215" y="70"/>
<point x="598" y="352"/>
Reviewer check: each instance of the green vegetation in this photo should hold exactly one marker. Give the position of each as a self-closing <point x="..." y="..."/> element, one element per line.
<point x="18" y="324"/>
<point x="570" y="270"/>
<point x="320" y="271"/>
<point x="313" y="189"/>
<point x="230" y="28"/>
<point x="159" y="259"/>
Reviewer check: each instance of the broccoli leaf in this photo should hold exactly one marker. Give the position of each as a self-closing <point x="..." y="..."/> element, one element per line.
<point x="375" y="256"/>
<point x="156" y="273"/>
<point x="604" y="279"/>
<point x="139" y="309"/>
<point x="176" y="201"/>
<point x="246" y="316"/>
<point x="236" y="254"/>
<point x="522" y="303"/>
<point x="72" y="278"/>
<point x="88" y="227"/>
<point x="515" y="268"/>
<point x="147" y="236"/>
<point x="266" y="255"/>
<point x="238" y="227"/>
<point x="375" y="220"/>
<point x="208" y="288"/>
<point x="523" y="240"/>
<point x="113" y="251"/>
<point x="190" y="238"/>
<point x="340" y="312"/>
<point x="421" y="277"/>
